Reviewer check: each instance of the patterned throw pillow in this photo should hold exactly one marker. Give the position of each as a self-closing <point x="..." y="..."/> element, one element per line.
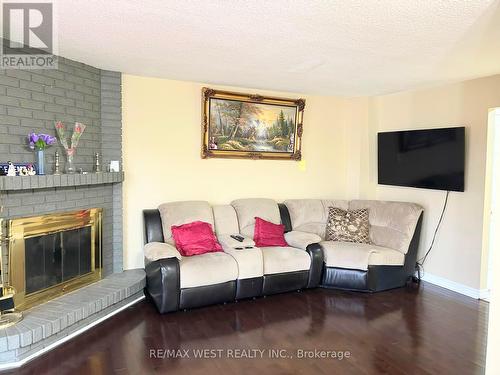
<point x="348" y="226"/>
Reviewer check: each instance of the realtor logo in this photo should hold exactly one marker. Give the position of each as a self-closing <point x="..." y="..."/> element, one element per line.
<point x="27" y="36"/>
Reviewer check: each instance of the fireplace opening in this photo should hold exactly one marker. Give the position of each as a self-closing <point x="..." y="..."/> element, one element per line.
<point x="53" y="254"/>
<point x="54" y="258"/>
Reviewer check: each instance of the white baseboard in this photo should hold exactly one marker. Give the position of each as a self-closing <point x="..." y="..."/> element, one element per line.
<point x="456" y="287"/>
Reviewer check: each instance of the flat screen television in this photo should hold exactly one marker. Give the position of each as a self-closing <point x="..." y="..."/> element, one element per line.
<point x="429" y="158"/>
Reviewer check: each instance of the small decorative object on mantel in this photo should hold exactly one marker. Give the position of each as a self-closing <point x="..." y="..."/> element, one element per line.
<point x="71" y="147"/>
<point x="57" y="170"/>
<point x="237" y="125"/>
<point x="39" y="142"/>
<point x="114" y="166"/>
<point x="11" y="171"/>
<point x="31" y="170"/>
<point x="97" y="163"/>
<point x="23" y="171"/>
<point x="18" y="169"/>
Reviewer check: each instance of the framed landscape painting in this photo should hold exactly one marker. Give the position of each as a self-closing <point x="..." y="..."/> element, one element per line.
<point x="236" y="125"/>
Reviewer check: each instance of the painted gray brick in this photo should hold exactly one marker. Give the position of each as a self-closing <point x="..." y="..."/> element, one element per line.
<point x="8" y="100"/>
<point x="92" y="98"/>
<point x="31" y="123"/>
<point x="18" y="93"/>
<point x="19" y="112"/>
<point x="42" y="79"/>
<point x="35" y="105"/>
<point x="74" y="95"/>
<point x="20" y="74"/>
<point x="31" y="86"/>
<point x="55" y="108"/>
<point x="84" y="89"/>
<point x="83" y="105"/>
<point x="27" y="103"/>
<point x="42" y="115"/>
<point x="9" y="81"/>
<point x="55" y="91"/>
<point x="57" y="74"/>
<point x="42" y="97"/>
<point x="110" y="94"/>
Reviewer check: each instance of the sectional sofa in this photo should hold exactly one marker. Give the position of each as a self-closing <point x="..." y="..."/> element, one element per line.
<point x="242" y="270"/>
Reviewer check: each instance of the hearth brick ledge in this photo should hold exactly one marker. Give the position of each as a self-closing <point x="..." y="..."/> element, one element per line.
<point x="64" y="180"/>
<point x="47" y="324"/>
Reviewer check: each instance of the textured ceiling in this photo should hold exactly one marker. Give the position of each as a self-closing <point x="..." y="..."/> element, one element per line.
<point x="332" y="47"/>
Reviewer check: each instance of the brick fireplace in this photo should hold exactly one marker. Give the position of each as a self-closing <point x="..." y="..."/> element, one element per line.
<point x="31" y="101"/>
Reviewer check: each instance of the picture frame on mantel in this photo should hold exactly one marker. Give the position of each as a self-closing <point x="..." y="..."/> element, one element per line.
<point x="251" y="126"/>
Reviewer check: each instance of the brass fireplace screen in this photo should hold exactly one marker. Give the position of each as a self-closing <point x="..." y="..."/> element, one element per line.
<point x="53" y="254"/>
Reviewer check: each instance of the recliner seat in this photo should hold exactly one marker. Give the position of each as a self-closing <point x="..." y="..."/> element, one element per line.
<point x="243" y="270"/>
<point x="388" y="262"/>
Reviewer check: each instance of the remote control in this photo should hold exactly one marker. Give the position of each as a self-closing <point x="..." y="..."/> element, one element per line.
<point x="237" y="238"/>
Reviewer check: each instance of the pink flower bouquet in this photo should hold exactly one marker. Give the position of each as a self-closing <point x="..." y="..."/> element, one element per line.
<point x="71" y="147"/>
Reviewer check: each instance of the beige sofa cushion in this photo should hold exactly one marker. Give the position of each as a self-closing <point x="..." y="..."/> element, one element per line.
<point x="250" y="262"/>
<point x="248" y="209"/>
<point x="225" y="219"/>
<point x="392" y="224"/>
<point x="228" y="242"/>
<point x="178" y="213"/>
<point x="284" y="259"/>
<point x="300" y="239"/>
<point x="359" y="255"/>
<point x="159" y="250"/>
<point x="311" y="215"/>
<point x="207" y="269"/>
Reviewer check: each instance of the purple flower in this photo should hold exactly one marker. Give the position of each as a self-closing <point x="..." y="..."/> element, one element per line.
<point x="47" y="139"/>
<point x="33" y="137"/>
<point x="40" y="141"/>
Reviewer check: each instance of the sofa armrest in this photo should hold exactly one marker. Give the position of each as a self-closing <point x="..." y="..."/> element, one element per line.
<point x="163" y="283"/>
<point x="300" y="239"/>
<point x="315" y="251"/>
<point x="159" y="250"/>
<point x="227" y="242"/>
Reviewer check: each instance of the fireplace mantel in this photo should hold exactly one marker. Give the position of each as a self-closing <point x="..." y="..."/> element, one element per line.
<point x="11" y="183"/>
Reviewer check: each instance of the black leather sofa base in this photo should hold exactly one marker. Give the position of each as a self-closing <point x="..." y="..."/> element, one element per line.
<point x="376" y="278"/>
<point x="248" y="288"/>
<point x="285" y="282"/>
<point x="207" y="295"/>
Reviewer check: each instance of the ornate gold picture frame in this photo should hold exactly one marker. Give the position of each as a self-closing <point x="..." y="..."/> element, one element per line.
<point x="237" y="125"/>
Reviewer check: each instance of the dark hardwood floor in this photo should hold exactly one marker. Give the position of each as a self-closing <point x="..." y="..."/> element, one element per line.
<point x="425" y="330"/>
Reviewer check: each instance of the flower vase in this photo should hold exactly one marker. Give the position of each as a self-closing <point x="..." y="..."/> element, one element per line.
<point x="40" y="162"/>
<point x="70" y="167"/>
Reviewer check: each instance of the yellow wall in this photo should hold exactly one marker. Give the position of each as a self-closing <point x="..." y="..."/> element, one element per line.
<point x="161" y="125"/>
<point x="161" y="148"/>
<point x="457" y="252"/>
<point x="492" y="358"/>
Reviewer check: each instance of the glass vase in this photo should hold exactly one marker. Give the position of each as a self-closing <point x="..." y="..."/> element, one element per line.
<point x="40" y="162"/>
<point x="70" y="166"/>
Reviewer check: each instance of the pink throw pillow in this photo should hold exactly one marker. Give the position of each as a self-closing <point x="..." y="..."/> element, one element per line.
<point x="268" y="234"/>
<point x="195" y="238"/>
